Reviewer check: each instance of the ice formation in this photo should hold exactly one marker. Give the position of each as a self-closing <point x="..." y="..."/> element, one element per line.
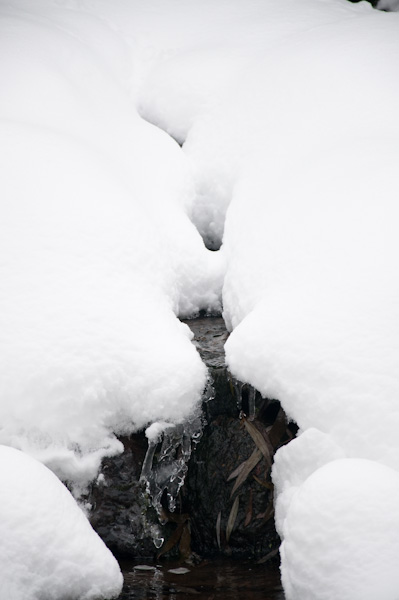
<point x="173" y="444"/>
<point x="48" y="550"/>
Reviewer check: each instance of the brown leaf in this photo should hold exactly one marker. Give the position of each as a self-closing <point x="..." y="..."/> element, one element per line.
<point x="170" y="517"/>
<point x="172" y="541"/>
<point x="232" y="518"/>
<point x="250" y="464"/>
<point x="185" y="541"/>
<point x="265" y="516"/>
<point x="236" y="471"/>
<point x="267" y="557"/>
<point x="278" y="429"/>
<point x="266" y="484"/>
<point x="218" y="523"/>
<point x="259" y="440"/>
<point x="248" y="517"/>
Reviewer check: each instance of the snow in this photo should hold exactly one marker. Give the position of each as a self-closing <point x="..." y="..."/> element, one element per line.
<point x="48" y="549"/>
<point x="155" y="431"/>
<point x="98" y="255"/>
<point x="341" y="537"/>
<point x="388" y="5"/>
<point x="286" y="113"/>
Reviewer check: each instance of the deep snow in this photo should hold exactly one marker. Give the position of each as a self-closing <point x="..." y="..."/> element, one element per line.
<point x="287" y="113"/>
<point x="48" y="550"/>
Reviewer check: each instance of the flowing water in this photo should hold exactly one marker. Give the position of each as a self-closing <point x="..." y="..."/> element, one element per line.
<point x="218" y="579"/>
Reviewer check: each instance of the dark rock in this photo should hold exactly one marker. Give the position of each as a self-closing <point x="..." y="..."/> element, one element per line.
<point x="226" y="445"/>
<point x="121" y="508"/>
<point x="119" y="505"/>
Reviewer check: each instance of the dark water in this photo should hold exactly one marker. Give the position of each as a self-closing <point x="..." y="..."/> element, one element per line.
<point x="213" y="579"/>
<point x="220" y="579"/>
<point x="210" y="336"/>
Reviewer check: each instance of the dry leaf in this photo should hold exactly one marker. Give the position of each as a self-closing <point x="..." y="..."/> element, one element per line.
<point x="172" y="541"/>
<point x="250" y="464"/>
<point x="259" y="440"/>
<point x="267" y="557"/>
<point x="218" y="523"/>
<point x="185" y="541"/>
<point x="248" y="517"/>
<point x="236" y="471"/>
<point x="232" y="518"/>
<point x="266" y="484"/>
<point x="265" y="516"/>
<point x="278" y="429"/>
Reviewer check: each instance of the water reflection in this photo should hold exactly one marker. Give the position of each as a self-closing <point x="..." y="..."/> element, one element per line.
<point x="221" y="579"/>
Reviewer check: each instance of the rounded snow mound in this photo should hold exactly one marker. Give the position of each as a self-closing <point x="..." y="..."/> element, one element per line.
<point x="48" y="550"/>
<point x="341" y="534"/>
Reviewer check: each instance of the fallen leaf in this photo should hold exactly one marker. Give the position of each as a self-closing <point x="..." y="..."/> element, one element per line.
<point x="260" y="441"/>
<point x="185" y="541"/>
<point x="236" y="471"/>
<point x="266" y="484"/>
<point x="218" y="523"/>
<point x="172" y="541"/>
<point x="232" y="518"/>
<point x="278" y="429"/>
<point x="250" y="464"/>
<point x="265" y="516"/>
<point x="248" y="517"/>
<point x="267" y="557"/>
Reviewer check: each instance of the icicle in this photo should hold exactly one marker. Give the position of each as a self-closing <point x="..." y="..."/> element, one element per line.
<point x="251" y="403"/>
<point x="147" y="464"/>
<point x="237" y="387"/>
<point x="165" y="470"/>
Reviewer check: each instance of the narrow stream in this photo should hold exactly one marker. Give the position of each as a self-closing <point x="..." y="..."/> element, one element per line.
<point x="217" y="578"/>
<point x="213" y="579"/>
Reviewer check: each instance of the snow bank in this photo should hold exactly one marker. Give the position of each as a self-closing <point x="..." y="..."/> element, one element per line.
<point x="48" y="550"/>
<point x="98" y="255"/>
<point x="310" y="291"/>
<point x="287" y="113"/>
<point x="290" y="127"/>
<point x="341" y="536"/>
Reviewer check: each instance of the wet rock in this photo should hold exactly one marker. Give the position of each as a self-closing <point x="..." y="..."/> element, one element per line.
<point x="119" y="506"/>
<point x="220" y="509"/>
<point x="240" y="521"/>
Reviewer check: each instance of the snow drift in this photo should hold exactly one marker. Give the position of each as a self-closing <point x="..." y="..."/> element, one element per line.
<point x="48" y="549"/>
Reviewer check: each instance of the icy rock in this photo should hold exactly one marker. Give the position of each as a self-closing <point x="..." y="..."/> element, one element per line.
<point x="48" y="549"/>
<point x="168" y="472"/>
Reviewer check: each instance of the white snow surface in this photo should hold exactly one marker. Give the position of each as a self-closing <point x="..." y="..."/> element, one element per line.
<point x="287" y="112"/>
<point x="343" y="520"/>
<point x="48" y="549"/>
<point x="98" y="254"/>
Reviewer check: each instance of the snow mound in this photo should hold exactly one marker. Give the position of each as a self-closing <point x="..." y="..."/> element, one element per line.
<point x="295" y="462"/>
<point x="48" y="550"/>
<point x="98" y="255"/>
<point x="90" y="344"/>
<point x="341" y="535"/>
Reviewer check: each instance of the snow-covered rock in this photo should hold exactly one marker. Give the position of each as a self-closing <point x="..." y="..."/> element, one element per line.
<point x="288" y="117"/>
<point x="48" y="550"/>
<point x="98" y="254"/>
<point x="341" y="534"/>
